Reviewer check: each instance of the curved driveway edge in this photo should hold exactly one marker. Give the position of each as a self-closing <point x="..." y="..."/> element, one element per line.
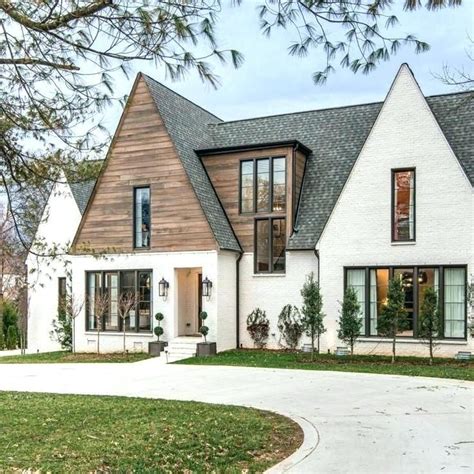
<point x="365" y="422"/>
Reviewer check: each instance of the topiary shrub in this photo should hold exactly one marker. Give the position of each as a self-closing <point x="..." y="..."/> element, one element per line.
<point x="158" y="329"/>
<point x="290" y="326"/>
<point x="258" y="327"/>
<point x="204" y="330"/>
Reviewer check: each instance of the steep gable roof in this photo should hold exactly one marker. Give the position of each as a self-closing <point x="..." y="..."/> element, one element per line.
<point x="187" y="125"/>
<point x="336" y="137"/>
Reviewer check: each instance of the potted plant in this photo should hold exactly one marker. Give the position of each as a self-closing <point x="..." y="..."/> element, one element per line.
<point x="155" y="347"/>
<point x="205" y="349"/>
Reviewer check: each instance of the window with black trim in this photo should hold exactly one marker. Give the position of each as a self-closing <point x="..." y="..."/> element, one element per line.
<point x="61" y="294"/>
<point x="270" y="245"/>
<point x="403" y="205"/>
<point x="371" y="287"/>
<point x="263" y="185"/>
<point x="141" y="217"/>
<point x="114" y="284"/>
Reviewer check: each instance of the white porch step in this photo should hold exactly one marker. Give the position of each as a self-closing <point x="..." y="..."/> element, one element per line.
<point x="183" y="347"/>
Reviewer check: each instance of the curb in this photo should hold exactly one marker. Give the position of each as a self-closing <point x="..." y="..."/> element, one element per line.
<point x="311" y="440"/>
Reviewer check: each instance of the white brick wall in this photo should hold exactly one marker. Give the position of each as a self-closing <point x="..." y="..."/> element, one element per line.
<point x="225" y="287"/>
<point x="272" y="292"/>
<point x="58" y="225"/>
<point x="359" y="230"/>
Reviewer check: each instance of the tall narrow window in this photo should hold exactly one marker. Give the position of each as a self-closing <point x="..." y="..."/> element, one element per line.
<point x="246" y="186"/>
<point x="94" y="288"/>
<point x="270" y="245"/>
<point x="406" y="275"/>
<point x="111" y="318"/>
<point x="144" y="301"/>
<point x="142" y="217"/>
<point x="263" y="185"/>
<point x="355" y="279"/>
<point x="454" y="302"/>
<point x="279" y="183"/>
<point x="403" y="212"/>
<point x="379" y="278"/>
<point x="61" y="295"/>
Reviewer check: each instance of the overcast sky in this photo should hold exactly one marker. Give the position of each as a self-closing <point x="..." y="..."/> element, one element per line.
<point x="272" y="82"/>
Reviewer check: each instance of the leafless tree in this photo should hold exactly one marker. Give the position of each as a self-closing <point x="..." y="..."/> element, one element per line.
<point x="100" y="304"/>
<point x="126" y="303"/>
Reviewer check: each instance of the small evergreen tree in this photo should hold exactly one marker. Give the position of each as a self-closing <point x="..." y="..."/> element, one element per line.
<point x="393" y="317"/>
<point x="290" y="326"/>
<point x="312" y="310"/>
<point x="158" y="331"/>
<point x="12" y="337"/>
<point x="350" y="322"/>
<point x="430" y="322"/>
<point x="258" y="327"/>
<point x="62" y="329"/>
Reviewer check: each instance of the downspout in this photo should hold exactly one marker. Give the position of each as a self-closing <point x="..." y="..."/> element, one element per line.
<point x="318" y="256"/>
<point x="237" y="302"/>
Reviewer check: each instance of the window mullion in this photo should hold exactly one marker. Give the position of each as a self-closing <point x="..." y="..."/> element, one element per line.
<point x="367" y="302"/>
<point x="415" y="301"/>
<point x="270" y="245"/>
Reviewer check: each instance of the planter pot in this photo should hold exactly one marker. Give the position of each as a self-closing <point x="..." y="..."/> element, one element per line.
<point x="154" y="348"/>
<point x="206" y="349"/>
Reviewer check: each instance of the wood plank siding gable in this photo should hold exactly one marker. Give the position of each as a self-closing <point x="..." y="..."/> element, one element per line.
<point x="142" y="153"/>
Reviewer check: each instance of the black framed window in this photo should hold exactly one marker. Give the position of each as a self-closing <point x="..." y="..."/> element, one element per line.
<point x="263" y="185"/>
<point x="270" y="245"/>
<point x="371" y="286"/>
<point x="61" y="294"/>
<point x="141" y="217"/>
<point x="403" y="205"/>
<point x="114" y="284"/>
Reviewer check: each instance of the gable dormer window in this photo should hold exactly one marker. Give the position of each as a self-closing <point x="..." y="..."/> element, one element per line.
<point x="141" y="211"/>
<point x="403" y="205"/>
<point x="263" y="185"/>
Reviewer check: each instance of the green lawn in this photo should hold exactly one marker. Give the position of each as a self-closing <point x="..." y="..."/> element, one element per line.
<point x="61" y="357"/>
<point x="444" y="368"/>
<point x="81" y="433"/>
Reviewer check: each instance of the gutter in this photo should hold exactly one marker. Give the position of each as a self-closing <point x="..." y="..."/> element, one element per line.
<point x="237" y="302"/>
<point x="318" y="256"/>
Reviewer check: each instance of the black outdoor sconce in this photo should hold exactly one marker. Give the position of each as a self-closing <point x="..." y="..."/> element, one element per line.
<point x="163" y="286"/>
<point x="206" y="288"/>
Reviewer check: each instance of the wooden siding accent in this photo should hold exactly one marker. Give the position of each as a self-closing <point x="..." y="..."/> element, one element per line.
<point x="224" y="172"/>
<point x="142" y="154"/>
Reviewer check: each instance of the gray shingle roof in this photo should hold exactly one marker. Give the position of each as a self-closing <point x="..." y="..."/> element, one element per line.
<point x="336" y="137"/>
<point x="188" y="126"/>
<point x="82" y="192"/>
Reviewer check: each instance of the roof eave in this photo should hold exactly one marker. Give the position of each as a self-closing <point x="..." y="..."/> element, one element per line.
<point x="253" y="146"/>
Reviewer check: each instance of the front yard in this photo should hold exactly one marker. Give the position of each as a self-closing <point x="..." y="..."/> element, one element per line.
<point x="69" y="357"/>
<point x="81" y="433"/>
<point x="414" y="366"/>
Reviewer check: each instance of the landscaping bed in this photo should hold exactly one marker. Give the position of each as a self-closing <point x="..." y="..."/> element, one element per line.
<point x="82" y="433"/>
<point x="69" y="357"/>
<point x="415" y="366"/>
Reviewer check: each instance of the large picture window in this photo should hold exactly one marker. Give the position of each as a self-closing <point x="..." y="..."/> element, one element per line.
<point x="403" y="205"/>
<point x="142" y="224"/>
<point x="270" y="245"/>
<point x="263" y="185"/>
<point x="114" y="284"/>
<point x="371" y="286"/>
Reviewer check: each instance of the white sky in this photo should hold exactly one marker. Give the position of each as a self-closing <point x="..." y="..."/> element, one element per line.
<point x="272" y="82"/>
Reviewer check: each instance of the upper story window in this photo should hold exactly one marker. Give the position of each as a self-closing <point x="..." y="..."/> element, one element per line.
<point x="263" y="185"/>
<point x="403" y="205"/>
<point x="141" y="209"/>
<point x="62" y="295"/>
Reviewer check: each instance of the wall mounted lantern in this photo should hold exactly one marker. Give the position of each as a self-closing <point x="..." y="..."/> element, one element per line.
<point x="163" y="286"/>
<point x="206" y="288"/>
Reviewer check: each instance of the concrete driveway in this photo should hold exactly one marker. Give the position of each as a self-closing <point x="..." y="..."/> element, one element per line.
<point x="354" y="423"/>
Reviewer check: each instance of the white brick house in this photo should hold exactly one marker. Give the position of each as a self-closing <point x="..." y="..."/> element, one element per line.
<point x="357" y="195"/>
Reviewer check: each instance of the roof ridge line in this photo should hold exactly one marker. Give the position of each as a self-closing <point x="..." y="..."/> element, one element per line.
<point x="182" y="96"/>
<point x="324" y="109"/>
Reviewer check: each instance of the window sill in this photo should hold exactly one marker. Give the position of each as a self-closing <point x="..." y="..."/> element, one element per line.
<point x="452" y="342"/>
<point x="409" y="242"/>
<point x="270" y="275"/>
<point x="118" y="333"/>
